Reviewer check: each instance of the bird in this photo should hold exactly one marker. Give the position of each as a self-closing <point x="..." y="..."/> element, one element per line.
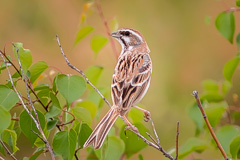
<point x="130" y="82"/>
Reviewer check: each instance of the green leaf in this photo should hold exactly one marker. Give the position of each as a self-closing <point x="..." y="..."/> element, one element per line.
<point x="192" y="145"/>
<point x="215" y="112"/>
<point x="212" y="97"/>
<point x="41" y="87"/>
<point x="115" y="148"/>
<point x="36" y="154"/>
<point x="92" y="155"/>
<point x="2" y="150"/>
<point x="37" y="69"/>
<point x="82" y="114"/>
<point x="226" y="86"/>
<point x="93" y="73"/>
<point x="114" y="24"/>
<point x="238" y="38"/>
<point x="207" y="20"/>
<point x="235" y="147"/>
<point x="225" y="23"/>
<point x="71" y="87"/>
<point x="133" y="144"/>
<point x="195" y="114"/>
<point x="44" y="95"/>
<point x="64" y="144"/>
<point x="90" y="106"/>
<point x="225" y="136"/>
<point x="238" y="3"/>
<point x="140" y="157"/>
<point x="136" y="115"/>
<point x="212" y="93"/>
<point x="5" y="119"/>
<point x="8" y="98"/>
<point x="94" y="96"/>
<point x="27" y="129"/>
<point x="51" y="124"/>
<point x="17" y="130"/>
<point x="84" y="133"/>
<point x="210" y="85"/>
<point x="25" y="56"/>
<point x="82" y="33"/>
<point x="97" y="43"/>
<point x="55" y="101"/>
<point x="3" y="66"/>
<point x="10" y="137"/>
<point x="54" y="111"/>
<point x="230" y="67"/>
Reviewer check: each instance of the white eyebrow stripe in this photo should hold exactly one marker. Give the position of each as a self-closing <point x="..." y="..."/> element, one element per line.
<point x="131" y="31"/>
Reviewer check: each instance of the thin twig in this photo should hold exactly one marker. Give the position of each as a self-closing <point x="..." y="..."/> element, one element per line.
<point x="50" y="101"/>
<point x="151" y="137"/>
<point x="5" y="147"/>
<point x="37" y="122"/>
<point x="154" y="130"/>
<point x="75" y="153"/>
<point x="81" y="72"/>
<point x="38" y="136"/>
<point x="232" y="9"/>
<point x="195" y="94"/>
<point x="158" y="147"/>
<point x="15" y="118"/>
<point x="177" y="136"/>
<point x="99" y="8"/>
<point x="62" y="124"/>
<point x="1" y="158"/>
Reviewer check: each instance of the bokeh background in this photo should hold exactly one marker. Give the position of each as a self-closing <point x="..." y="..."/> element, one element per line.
<point x="185" y="48"/>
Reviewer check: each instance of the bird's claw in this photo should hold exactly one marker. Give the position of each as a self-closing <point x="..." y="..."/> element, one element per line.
<point x="147" y="116"/>
<point x="132" y="127"/>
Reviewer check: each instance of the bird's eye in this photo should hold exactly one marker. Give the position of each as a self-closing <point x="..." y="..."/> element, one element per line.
<point x="127" y="33"/>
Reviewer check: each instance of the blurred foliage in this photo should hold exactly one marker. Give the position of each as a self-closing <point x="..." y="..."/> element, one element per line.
<point x="67" y="106"/>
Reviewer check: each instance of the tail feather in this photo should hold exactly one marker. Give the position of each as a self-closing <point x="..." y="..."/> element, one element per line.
<point x="100" y="132"/>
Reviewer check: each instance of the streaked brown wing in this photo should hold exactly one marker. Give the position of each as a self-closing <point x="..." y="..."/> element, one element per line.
<point x="131" y="80"/>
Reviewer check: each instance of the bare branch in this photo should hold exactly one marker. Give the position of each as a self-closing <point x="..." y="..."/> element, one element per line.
<point x="5" y="147"/>
<point x="154" y="130"/>
<point x="177" y="136"/>
<point x="37" y="122"/>
<point x="15" y="118"/>
<point x="38" y="136"/>
<point x="232" y="9"/>
<point x="156" y="146"/>
<point x="195" y="94"/>
<point x="1" y="158"/>
<point x="81" y="72"/>
<point x="99" y="8"/>
<point x="69" y="122"/>
<point x="151" y="137"/>
<point x="75" y="153"/>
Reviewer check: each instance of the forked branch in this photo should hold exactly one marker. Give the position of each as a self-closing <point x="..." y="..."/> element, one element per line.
<point x="195" y="94"/>
<point x="36" y="120"/>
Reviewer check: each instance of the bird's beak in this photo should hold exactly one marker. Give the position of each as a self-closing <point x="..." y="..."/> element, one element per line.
<point x="116" y="34"/>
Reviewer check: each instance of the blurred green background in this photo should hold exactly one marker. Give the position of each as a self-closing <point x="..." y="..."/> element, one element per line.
<point x="185" y="49"/>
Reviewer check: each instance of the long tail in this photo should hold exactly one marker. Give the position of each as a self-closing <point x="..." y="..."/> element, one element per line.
<point x="100" y="132"/>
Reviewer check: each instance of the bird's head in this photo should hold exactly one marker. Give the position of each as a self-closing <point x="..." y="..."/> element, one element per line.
<point x="129" y="39"/>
